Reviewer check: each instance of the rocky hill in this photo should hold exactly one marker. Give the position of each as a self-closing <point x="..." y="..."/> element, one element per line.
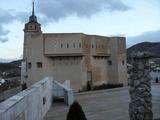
<point x="145" y="47"/>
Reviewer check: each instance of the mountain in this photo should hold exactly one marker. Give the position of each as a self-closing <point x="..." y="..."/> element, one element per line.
<point x="152" y="48"/>
<point x="5" y="60"/>
<point x="17" y="62"/>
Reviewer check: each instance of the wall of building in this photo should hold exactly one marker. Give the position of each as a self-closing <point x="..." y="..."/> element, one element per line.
<point x="68" y="68"/>
<point x="31" y="104"/>
<point x="94" y="63"/>
<point x="74" y="56"/>
<point x="99" y="71"/>
<point x="122" y="61"/>
<point x="62" y="44"/>
<point x="117" y="61"/>
<point x="34" y="52"/>
<point x="92" y="51"/>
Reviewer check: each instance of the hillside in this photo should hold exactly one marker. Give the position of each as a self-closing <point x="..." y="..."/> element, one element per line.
<point x="147" y="47"/>
<point x="11" y="69"/>
<point x="16" y="63"/>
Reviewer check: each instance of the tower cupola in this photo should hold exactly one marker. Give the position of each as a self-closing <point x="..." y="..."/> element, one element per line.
<point x="33" y="18"/>
<point x="32" y="25"/>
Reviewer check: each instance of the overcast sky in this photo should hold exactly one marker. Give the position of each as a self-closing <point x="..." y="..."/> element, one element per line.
<point x="138" y="20"/>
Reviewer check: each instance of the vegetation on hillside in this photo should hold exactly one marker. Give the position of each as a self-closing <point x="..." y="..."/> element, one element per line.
<point x="152" y="48"/>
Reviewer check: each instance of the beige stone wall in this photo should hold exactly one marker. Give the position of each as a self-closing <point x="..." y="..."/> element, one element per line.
<point x="68" y="68"/>
<point x="76" y="57"/>
<point x="99" y="71"/>
<point x="95" y="50"/>
<point x="122" y="61"/>
<point x="117" y="71"/>
<point x="62" y="44"/>
<point x="34" y="52"/>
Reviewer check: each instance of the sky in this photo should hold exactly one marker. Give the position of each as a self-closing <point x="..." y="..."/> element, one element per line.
<point x="137" y="20"/>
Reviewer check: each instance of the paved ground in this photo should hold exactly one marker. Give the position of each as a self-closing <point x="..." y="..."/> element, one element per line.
<point x="105" y="104"/>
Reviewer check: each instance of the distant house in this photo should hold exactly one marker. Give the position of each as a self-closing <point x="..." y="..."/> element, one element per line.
<point x="2" y="81"/>
<point x="155" y="71"/>
<point x="155" y="74"/>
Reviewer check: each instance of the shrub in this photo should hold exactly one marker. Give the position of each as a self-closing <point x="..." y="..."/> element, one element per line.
<point x="76" y="112"/>
<point x="107" y="86"/>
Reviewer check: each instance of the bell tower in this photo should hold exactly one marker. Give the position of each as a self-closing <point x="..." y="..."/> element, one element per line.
<point x="32" y="48"/>
<point x="32" y="25"/>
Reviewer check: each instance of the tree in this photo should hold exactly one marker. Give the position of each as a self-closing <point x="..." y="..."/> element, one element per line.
<point x="76" y="112"/>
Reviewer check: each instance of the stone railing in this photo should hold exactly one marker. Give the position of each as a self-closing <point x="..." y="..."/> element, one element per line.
<point x="34" y="102"/>
<point x="63" y="90"/>
<point x="30" y="104"/>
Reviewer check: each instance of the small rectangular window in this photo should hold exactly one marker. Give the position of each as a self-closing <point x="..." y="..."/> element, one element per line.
<point x="29" y="65"/>
<point x="123" y="62"/>
<point x="92" y="46"/>
<point x="44" y="100"/>
<point x="109" y="62"/>
<point x="67" y="45"/>
<point x="89" y="76"/>
<point x="61" y="45"/>
<point x="80" y="45"/>
<point x="39" y="64"/>
<point x="73" y="45"/>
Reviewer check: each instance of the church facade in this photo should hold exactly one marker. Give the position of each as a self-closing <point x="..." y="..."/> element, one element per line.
<point x="85" y="60"/>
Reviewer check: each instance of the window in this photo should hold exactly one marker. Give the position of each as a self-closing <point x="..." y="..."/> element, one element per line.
<point x="44" y="100"/>
<point x="29" y="65"/>
<point x="61" y="45"/>
<point x="39" y="64"/>
<point x="80" y="45"/>
<point x="67" y="45"/>
<point x="92" y="46"/>
<point x="109" y="62"/>
<point x="30" y="26"/>
<point x="89" y="76"/>
<point x="123" y="62"/>
<point x="73" y="45"/>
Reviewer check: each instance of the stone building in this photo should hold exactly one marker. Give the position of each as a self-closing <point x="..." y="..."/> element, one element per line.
<point x="85" y="60"/>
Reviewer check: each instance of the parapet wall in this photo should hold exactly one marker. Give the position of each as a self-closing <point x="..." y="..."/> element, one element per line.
<point x="30" y="104"/>
<point x="6" y="94"/>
